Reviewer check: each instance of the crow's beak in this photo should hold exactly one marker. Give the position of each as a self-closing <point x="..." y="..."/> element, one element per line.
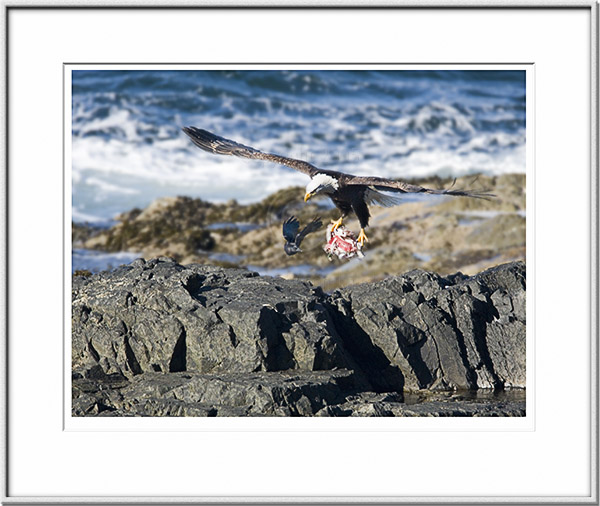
<point x="307" y="196"/>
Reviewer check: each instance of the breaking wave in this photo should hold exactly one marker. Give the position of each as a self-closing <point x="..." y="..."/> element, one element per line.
<point x="128" y="148"/>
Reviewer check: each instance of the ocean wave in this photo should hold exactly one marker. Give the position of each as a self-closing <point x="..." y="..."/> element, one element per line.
<point x="128" y="147"/>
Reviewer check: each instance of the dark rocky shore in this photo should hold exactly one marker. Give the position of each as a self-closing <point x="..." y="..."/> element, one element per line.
<point x="157" y="338"/>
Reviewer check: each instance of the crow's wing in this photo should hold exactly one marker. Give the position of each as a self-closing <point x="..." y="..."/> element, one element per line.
<point x="384" y="184"/>
<point x="313" y="226"/>
<point x="219" y="145"/>
<point x="290" y="229"/>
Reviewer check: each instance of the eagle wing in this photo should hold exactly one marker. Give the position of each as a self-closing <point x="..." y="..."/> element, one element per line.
<point x="313" y="226"/>
<point x="219" y="145"/>
<point x="290" y="229"/>
<point x="390" y="185"/>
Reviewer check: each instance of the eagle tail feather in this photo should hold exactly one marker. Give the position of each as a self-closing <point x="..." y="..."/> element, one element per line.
<point x="375" y="196"/>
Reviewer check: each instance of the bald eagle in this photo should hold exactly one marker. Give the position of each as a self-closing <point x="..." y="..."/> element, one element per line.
<point x="349" y="193"/>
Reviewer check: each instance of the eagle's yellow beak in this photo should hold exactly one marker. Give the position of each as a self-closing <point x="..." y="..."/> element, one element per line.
<point x="307" y="196"/>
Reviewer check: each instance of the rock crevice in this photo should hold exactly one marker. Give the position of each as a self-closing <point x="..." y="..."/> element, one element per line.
<point x="152" y="323"/>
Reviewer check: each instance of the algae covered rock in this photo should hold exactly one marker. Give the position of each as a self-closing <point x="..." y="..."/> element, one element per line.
<point x="441" y="234"/>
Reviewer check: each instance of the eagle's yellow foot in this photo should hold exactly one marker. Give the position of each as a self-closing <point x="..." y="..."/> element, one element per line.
<point x="362" y="237"/>
<point x="337" y="224"/>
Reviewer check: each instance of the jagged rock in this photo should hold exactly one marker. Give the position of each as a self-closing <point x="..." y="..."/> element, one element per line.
<point x="196" y="325"/>
<point x="424" y="331"/>
<point x="286" y="393"/>
<point x="162" y="317"/>
<point x="370" y="404"/>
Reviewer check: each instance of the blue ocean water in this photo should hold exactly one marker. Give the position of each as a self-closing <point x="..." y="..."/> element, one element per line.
<point x="128" y="148"/>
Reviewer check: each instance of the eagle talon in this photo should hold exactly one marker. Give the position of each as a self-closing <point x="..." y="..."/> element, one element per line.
<point x="337" y="224"/>
<point x="362" y="237"/>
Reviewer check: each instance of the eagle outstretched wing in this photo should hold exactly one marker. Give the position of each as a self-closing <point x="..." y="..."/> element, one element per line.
<point x="219" y="145"/>
<point x="390" y="185"/>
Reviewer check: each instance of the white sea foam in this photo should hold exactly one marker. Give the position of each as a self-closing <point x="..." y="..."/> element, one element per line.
<point x="107" y="187"/>
<point x="123" y="157"/>
<point x="119" y="119"/>
<point x="120" y="171"/>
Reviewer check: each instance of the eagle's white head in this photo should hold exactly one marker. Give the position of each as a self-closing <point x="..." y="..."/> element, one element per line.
<point x="321" y="183"/>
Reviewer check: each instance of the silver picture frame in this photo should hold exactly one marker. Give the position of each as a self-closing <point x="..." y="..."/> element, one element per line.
<point x="10" y="420"/>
